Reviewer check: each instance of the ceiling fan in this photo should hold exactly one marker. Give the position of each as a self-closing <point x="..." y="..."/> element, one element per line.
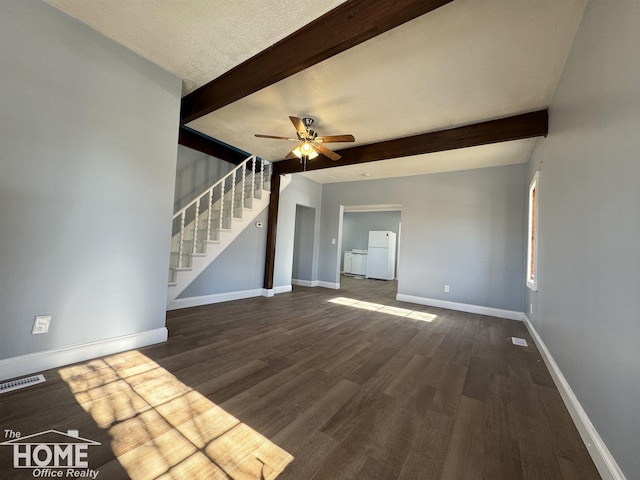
<point x="310" y="144"/>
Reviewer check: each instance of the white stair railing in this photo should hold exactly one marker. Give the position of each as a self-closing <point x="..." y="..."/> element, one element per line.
<point x="201" y="221"/>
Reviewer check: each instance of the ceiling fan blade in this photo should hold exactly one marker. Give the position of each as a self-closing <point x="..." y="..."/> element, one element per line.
<point x="335" y="138"/>
<point x="275" y="137"/>
<point x="325" y="151"/>
<point x="299" y="126"/>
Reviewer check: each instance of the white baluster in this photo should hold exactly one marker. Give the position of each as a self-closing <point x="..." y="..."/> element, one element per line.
<point x="269" y="173"/>
<point x="181" y="243"/>
<point x="253" y="177"/>
<point x="233" y="193"/>
<point x="222" y="204"/>
<point x="195" y="226"/>
<point x="242" y="194"/>
<point x="209" y="214"/>
<point x="232" y="176"/>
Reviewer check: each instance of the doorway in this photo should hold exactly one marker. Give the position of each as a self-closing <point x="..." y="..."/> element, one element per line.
<point x="356" y="223"/>
<point x="304" y="235"/>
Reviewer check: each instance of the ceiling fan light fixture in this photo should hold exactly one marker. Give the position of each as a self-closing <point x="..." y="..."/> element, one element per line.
<point x="310" y="144"/>
<point x="305" y="150"/>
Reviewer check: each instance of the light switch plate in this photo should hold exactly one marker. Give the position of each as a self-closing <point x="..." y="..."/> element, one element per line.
<point x="41" y="324"/>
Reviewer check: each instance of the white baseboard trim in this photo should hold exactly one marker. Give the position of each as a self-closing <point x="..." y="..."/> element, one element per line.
<point x="270" y="292"/>
<point x="462" y="307"/>
<point x="214" y="298"/>
<point x="57" y="357"/>
<point x="600" y="454"/>
<point x="282" y="289"/>
<point x="304" y="283"/>
<point x="315" y="283"/>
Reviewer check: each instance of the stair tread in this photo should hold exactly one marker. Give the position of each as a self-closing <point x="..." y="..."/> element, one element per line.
<point x="206" y="225"/>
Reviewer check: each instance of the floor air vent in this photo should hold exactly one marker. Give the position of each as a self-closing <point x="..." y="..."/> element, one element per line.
<point x="21" y="383"/>
<point x="519" y="341"/>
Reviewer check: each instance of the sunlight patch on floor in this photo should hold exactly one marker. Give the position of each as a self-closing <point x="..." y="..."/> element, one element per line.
<point x="377" y="307"/>
<point x="163" y="429"/>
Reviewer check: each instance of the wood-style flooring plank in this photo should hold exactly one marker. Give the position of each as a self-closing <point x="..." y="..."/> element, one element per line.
<point x="428" y="451"/>
<point x="308" y="386"/>
<point x="465" y="454"/>
<point x="310" y="456"/>
<point x="295" y="433"/>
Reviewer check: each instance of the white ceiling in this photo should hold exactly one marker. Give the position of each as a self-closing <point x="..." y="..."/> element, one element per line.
<point x="465" y="62"/>
<point x="197" y="40"/>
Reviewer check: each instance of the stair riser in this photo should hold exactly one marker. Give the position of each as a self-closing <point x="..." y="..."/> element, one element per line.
<point x="214" y="221"/>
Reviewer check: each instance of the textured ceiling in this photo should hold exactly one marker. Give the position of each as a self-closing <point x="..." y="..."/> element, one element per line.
<point x="497" y="154"/>
<point x="197" y="40"/>
<point x="465" y="62"/>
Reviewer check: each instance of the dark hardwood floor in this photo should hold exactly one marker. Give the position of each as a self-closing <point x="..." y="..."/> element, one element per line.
<point x="315" y="384"/>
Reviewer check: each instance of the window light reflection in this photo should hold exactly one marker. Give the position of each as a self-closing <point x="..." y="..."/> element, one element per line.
<point x="377" y="307"/>
<point x="163" y="429"/>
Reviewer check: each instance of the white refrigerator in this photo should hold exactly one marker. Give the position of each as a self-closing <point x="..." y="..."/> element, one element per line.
<point x="381" y="261"/>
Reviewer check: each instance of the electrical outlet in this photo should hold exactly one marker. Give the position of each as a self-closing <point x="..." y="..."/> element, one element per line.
<point x="531" y="308"/>
<point x="41" y="324"/>
<point x="446" y="289"/>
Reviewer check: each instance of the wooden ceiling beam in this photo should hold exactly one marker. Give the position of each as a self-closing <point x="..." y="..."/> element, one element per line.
<point x="346" y="26"/>
<point x="191" y="139"/>
<point x="517" y="127"/>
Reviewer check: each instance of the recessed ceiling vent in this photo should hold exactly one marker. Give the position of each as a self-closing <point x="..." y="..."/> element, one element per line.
<point x="21" y="383"/>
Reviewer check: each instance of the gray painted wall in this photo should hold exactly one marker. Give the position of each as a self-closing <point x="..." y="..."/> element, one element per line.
<point x="587" y="304"/>
<point x="356" y="227"/>
<point x="303" y="243"/>
<point x="88" y="134"/>
<point x="239" y="267"/>
<point x="307" y="193"/>
<point x="465" y="229"/>
<point x="195" y="172"/>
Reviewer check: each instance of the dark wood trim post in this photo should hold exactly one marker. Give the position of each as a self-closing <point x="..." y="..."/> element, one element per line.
<point x="272" y="224"/>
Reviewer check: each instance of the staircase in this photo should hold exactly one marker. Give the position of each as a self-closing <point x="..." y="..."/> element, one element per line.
<point x="208" y="225"/>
